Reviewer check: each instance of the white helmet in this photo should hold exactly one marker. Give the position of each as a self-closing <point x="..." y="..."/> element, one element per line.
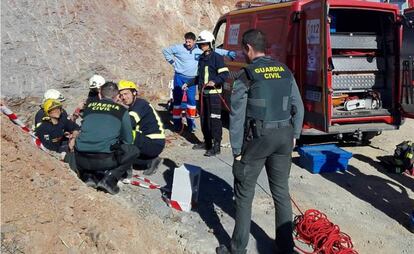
<point x="96" y="81"/>
<point x="53" y="94"/>
<point x="206" y="37"/>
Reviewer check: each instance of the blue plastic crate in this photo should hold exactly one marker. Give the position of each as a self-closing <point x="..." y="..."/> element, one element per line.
<point x="323" y="158"/>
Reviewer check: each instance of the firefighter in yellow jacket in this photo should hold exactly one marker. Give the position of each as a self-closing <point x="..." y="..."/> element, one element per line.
<point x="148" y="131"/>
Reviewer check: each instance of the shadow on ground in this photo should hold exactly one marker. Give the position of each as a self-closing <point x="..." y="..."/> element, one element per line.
<point x="387" y="196"/>
<point x="383" y="168"/>
<point x="216" y="199"/>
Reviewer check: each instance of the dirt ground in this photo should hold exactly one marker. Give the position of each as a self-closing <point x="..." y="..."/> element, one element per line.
<point x="46" y="209"/>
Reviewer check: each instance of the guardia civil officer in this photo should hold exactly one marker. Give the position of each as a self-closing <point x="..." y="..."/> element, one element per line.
<point x="104" y="151"/>
<point x="266" y="119"/>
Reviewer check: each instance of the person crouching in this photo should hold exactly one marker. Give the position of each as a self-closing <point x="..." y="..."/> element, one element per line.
<point x="104" y="151"/>
<point x="55" y="131"/>
<point x="148" y="132"/>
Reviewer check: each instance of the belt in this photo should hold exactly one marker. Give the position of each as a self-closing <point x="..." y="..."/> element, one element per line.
<point x="95" y="155"/>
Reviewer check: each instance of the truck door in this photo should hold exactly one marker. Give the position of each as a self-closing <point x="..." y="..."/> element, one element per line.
<point x="314" y="65"/>
<point x="407" y="62"/>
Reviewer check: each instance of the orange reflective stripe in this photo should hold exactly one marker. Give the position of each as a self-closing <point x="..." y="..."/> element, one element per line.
<point x="191" y="112"/>
<point x="176" y="111"/>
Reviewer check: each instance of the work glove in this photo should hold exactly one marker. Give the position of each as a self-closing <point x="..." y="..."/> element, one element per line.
<point x="232" y="54"/>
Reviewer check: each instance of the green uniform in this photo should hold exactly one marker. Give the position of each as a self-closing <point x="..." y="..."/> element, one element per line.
<point x="104" y="124"/>
<point x="266" y="115"/>
<point x="104" y="146"/>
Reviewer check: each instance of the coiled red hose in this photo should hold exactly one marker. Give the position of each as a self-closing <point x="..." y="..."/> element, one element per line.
<point x="314" y="228"/>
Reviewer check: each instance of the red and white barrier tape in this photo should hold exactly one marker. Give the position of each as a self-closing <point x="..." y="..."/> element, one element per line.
<point x="148" y="184"/>
<point x="13" y="117"/>
<point x="171" y="203"/>
<point x="144" y="183"/>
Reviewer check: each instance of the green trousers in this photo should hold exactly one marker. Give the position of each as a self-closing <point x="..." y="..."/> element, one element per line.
<point x="272" y="150"/>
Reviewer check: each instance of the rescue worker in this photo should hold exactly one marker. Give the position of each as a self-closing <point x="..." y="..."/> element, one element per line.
<point x="95" y="82"/>
<point x="104" y="150"/>
<point x="265" y="121"/>
<point x="55" y="131"/>
<point x="184" y="58"/>
<point x="49" y="94"/>
<point x="211" y="75"/>
<point x="148" y="131"/>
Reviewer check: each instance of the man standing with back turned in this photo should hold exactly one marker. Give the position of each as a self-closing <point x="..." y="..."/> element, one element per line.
<point x="265" y="121"/>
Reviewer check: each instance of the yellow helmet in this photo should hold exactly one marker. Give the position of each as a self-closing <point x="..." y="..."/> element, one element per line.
<point x="51" y="104"/>
<point x="125" y="84"/>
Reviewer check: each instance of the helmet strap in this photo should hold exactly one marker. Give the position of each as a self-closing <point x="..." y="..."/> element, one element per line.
<point x="134" y="93"/>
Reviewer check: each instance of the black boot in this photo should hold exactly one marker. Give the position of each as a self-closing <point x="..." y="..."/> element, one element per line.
<point x="90" y="180"/>
<point x="127" y="174"/>
<point x="109" y="184"/>
<point x="153" y="166"/>
<point x="199" y="146"/>
<point x="216" y="147"/>
<point x="213" y="151"/>
<point x="222" y="249"/>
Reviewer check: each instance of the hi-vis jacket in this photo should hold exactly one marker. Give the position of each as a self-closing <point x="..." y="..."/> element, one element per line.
<point x="211" y="67"/>
<point x="145" y="121"/>
<point x="52" y="135"/>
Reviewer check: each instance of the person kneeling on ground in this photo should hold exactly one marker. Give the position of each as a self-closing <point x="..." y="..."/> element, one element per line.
<point x="104" y="151"/>
<point x="49" y="94"/>
<point x="148" y="131"/>
<point x="95" y="82"/>
<point x="55" y="131"/>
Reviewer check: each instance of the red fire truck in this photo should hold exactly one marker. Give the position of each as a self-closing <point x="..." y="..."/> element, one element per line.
<point x="345" y="55"/>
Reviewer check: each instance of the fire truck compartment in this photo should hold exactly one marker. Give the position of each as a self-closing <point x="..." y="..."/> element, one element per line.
<point x="353" y="41"/>
<point x="363" y="53"/>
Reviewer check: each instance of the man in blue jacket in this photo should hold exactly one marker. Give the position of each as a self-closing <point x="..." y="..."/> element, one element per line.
<point x="184" y="58"/>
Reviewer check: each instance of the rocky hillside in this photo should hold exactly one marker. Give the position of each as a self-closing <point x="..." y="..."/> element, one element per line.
<point x="59" y="44"/>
